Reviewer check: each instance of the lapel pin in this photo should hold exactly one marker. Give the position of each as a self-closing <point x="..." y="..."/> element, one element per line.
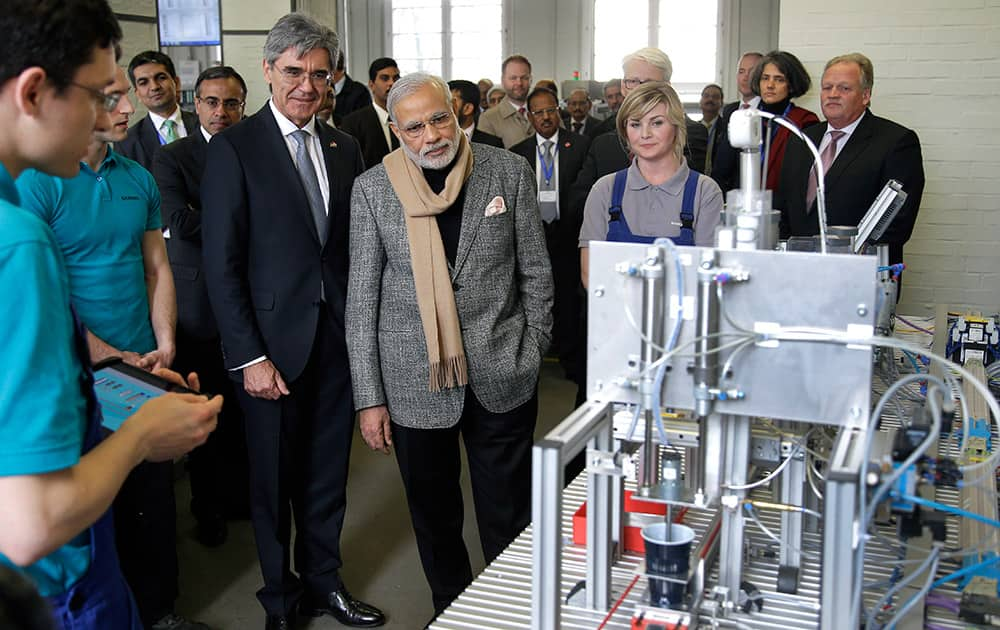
<point x="333" y="143"/>
<point x="567" y="144"/>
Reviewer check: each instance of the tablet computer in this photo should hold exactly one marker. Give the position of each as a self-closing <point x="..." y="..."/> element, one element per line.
<point x="122" y="388"/>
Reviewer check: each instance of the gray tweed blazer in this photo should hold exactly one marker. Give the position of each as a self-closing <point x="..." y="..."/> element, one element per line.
<point x="503" y="290"/>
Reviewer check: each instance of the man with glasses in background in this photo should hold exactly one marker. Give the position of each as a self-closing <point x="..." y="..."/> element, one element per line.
<point x="613" y="98"/>
<point x="156" y="84"/>
<point x="607" y="154"/>
<point x="450" y="311"/>
<point x="107" y="223"/>
<point x="218" y="469"/>
<point x="275" y="200"/>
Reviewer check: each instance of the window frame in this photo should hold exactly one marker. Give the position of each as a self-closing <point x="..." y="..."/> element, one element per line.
<point x="652" y="35"/>
<point x="446" y="34"/>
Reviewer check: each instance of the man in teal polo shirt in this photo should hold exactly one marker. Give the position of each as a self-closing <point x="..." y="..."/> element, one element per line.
<point x="57" y="478"/>
<point x="107" y="223"/>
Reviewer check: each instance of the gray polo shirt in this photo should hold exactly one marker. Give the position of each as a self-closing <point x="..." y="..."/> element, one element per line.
<point x="653" y="210"/>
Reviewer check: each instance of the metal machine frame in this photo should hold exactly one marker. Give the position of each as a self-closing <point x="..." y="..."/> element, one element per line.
<point x="804" y="325"/>
<point x="721" y="456"/>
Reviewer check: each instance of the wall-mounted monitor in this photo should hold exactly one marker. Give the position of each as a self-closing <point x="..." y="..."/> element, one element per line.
<point x="189" y="22"/>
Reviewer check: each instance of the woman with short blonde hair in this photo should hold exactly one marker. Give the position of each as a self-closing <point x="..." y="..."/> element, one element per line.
<point x="643" y="100"/>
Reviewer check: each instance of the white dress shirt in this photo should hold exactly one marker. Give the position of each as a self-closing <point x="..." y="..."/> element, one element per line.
<point x="314" y="148"/>
<point x="383" y="119"/>
<point x="468" y="131"/>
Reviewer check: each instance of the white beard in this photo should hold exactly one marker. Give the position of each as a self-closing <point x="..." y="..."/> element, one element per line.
<point x="435" y="163"/>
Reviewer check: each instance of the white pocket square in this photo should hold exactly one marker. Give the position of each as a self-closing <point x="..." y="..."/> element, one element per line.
<point x="495" y="207"/>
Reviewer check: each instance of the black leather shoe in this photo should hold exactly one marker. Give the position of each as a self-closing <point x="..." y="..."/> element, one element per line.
<point x="345" y="609"/>
<point x="212" y="530"/>
<point x="277" y="622"/>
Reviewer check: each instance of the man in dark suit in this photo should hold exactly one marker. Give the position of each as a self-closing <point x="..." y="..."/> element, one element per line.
<point x="613" y="98"/>
<point x="449" y="308"/>
<point x="607" y="155"/>
<point x="711" y="103"/>
<point x="863" y="152"/>
<point x="218" y="468"/>
<point x="370" y="124"/>
<point x="580" y="121"/>
<point x="156" y="84"/>
<point x="747" y="100"/>
<point x="562" y="220"/>
<point x="275" y="196"/>
<point x="351" y="95"/>
<point x="725" y="159"/>
<point x="467" y="112"/>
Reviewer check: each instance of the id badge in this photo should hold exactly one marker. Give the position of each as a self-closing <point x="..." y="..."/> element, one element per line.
<point x="548" y="196"/>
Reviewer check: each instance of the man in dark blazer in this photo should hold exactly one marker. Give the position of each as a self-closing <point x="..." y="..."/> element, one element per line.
<point x="613" y="98"/>
<point x="868" y="152"/>
<point x="218" y="469"/>
<point x="580" y="121"/>
<point x="725" y="159"/>
<point x="467" y="112"/>
<point x="351" y="95"/>
<point x="448" y="327"/>
<point x="370" y="124"/>
<point x="275" y="197"/>
<point x="747" y="100"/>
<point x="562" y="232"/>
<point x="711" y="103"/>
<point x="156" y="85"/>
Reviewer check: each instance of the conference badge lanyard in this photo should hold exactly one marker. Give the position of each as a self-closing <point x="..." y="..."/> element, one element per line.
<point x="548" y="170"/>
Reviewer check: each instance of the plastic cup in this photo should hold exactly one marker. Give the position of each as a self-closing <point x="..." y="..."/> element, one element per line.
<point x="667" y="558"/>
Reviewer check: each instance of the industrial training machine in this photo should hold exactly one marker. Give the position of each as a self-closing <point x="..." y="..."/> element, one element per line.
<point x="817" y="463"/>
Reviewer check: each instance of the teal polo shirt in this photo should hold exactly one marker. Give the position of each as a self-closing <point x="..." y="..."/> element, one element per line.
<point x="99" y="220"/>
<point x="43" y="414"/>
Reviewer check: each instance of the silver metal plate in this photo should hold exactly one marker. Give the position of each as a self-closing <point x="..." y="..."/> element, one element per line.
<point x="809" y="381"/>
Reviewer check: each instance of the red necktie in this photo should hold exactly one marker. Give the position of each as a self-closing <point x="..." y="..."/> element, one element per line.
<point x="827" y="157"/>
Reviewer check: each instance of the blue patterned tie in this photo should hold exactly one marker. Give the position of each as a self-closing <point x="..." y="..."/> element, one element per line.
<point x="307" y="173"/>
<point x="548" y="209"/>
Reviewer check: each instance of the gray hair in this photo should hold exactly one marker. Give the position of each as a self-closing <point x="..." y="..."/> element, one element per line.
<point x="864" y="64"/>
<point x="303" y="33"/>
<point x="654" y="57"/>
<point x="407" y="85"/>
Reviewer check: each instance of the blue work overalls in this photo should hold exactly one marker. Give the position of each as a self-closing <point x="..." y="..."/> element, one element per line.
<point x="100" y="600"/>
<point x="618" y="230"/>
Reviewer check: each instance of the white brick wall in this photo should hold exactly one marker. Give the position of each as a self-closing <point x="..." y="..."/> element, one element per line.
<point x="937" y="71"/>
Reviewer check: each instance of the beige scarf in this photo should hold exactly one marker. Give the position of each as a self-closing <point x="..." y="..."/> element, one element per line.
<point x="435" y="298"/>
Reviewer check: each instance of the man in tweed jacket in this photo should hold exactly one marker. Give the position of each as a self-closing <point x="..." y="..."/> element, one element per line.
<point x="495" y="297"/>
